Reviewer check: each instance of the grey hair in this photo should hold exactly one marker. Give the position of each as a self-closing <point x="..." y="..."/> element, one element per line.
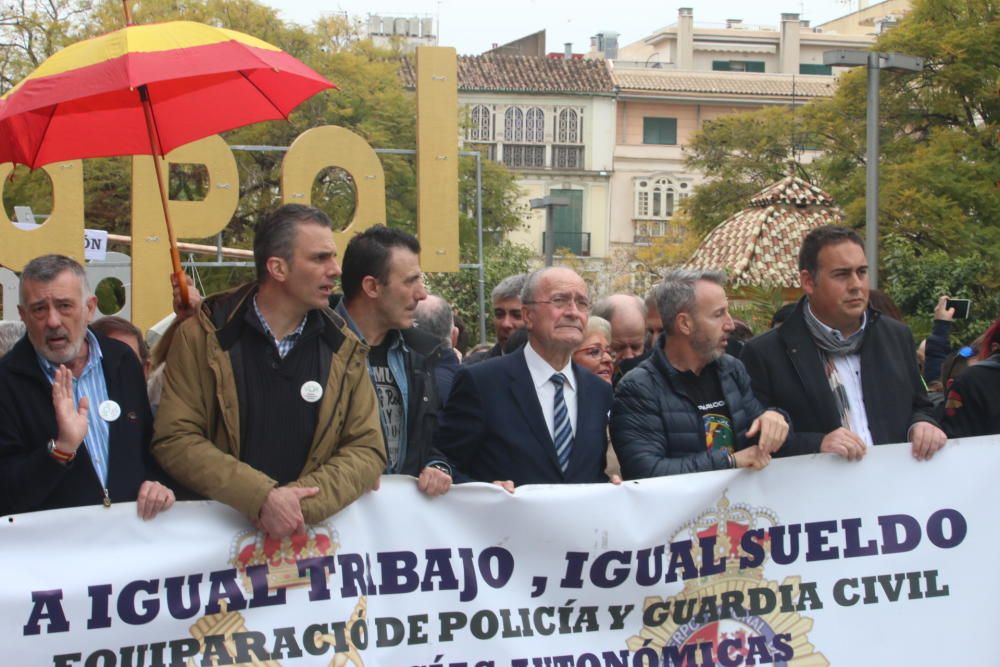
<point x="509" y="288"/>
<point x="47" y="268"/>
<point x="599" y="325"/>
<point x="10" y="333"/>
<point x="530" y="284"/>
<point x="650" y="300"/>
<point x="676" y="293"/>
<point x="434" y="315"/>
<point x="605" y="307"/>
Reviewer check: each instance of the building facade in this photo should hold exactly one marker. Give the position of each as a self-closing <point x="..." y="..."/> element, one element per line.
<point x="550" y="120"/>
<point x="674" y="81"/>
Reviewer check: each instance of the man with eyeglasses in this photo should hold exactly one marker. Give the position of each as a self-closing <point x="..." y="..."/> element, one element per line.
<point x="532" y="416"/>
<point x="507" y="316"/>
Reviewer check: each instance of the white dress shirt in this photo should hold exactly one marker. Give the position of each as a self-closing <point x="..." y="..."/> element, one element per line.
<point x="849" y="369"/>
<point x="545" y="389"/>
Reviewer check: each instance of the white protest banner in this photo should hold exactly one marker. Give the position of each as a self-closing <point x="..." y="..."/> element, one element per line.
<point x="813" y="561"/>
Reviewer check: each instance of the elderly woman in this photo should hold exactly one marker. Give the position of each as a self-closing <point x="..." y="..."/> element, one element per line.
<point x="594" y="354"/>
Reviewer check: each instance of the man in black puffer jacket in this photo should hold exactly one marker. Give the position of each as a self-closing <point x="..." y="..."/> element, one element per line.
<point x="689" y="406"/>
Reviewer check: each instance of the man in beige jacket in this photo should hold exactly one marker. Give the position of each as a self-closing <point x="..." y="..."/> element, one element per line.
<point x="267" y="405"/>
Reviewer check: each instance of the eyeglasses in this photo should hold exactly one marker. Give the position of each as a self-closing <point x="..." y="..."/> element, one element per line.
<point x="596" y="352"/>
<point x="562" y="302"/>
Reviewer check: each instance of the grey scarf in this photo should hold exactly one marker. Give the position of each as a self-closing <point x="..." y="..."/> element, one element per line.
<point x="826" y="340"/>
<point x="831" y="345"/>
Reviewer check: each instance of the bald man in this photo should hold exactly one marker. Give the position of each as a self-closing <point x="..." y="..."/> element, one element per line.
<point x="627" y="315"/>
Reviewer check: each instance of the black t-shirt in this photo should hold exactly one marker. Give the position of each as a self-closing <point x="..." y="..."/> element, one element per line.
<point x="390" y="400"/>
<point x="706" y="392"/>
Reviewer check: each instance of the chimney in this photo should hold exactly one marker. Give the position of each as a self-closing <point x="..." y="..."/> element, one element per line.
<point x="684" y="47"/>
<point x="568" y="50"/>
<point x="789" y="49"/>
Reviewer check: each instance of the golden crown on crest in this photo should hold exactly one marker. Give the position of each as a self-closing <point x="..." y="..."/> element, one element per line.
<point x="728" y="523"/>
<point x="253" y="547"/>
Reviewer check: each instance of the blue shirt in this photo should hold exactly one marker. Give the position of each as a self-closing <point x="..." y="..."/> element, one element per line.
<point x="91" y="384"/>
<point x="397" y="366"/>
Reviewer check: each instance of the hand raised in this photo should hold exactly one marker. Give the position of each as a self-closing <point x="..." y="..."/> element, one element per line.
<point x="71" y="419"/>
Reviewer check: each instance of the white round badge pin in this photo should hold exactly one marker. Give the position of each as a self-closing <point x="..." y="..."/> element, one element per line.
<point x="311" y="391"/>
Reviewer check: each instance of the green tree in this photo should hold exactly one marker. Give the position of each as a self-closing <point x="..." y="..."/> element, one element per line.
<point x="742" y="154"/>
<point x="916" y="279"/>
<point x="939" y="161"/>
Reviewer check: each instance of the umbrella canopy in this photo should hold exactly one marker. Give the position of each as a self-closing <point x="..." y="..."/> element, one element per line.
<point x="84" y="101"/>
<point x="760" y="244"/>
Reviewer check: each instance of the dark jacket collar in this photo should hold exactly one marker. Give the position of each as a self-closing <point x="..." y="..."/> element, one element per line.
<point x="412" y="338"/>
<point x="794" y="331"/>
<point x="659" y="361"/>
<point x="226" y="312"/>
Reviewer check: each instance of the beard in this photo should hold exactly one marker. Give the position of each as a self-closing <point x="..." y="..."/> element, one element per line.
<point x="705" y="346"/>
<point x="67" y="352"/>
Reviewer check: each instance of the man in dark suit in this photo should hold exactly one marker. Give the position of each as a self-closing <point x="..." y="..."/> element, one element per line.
<point x="75" y="422"/>
<point x="532" y="417"/>
<point x="846" y="376"/>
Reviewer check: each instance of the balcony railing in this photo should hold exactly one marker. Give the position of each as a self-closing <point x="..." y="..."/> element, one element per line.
<point x="647" y="231"/>
<point x="577" y="243"/>
<point x="567" y="157"/>
<point x="524" y="156"/>
<point x="532" y="156"/>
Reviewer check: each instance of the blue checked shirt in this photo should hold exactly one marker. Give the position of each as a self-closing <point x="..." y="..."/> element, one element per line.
<point x="91" y="384"/>
<point x="286" y="344"/>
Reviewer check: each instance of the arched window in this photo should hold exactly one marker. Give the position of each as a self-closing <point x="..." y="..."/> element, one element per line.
<point x="481" y="128"/>
<point x="568" y="127"/>
<point x="656" y="197"/>
<point x="513" y="124"/>
<point x="535" y="126"/>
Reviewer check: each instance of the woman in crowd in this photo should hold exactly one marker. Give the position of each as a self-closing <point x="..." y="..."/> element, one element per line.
<point x="594" y="352"/>
<point x="973" y="404"/>
<point x="595" y="355"/>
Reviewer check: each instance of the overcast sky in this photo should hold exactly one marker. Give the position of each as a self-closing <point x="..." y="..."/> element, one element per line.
<point x="473" y="26"/>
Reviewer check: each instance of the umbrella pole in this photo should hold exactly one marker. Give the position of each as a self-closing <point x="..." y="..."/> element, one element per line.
<point x="175" y="256"/>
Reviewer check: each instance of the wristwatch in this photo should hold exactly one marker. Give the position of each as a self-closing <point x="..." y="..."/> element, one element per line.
<point x="58" y="454"/>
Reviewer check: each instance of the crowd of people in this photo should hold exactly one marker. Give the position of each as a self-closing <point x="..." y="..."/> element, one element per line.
<point x="288" y="400"/>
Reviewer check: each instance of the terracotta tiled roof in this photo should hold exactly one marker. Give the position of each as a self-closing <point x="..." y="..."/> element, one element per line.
<point x="721" y="83"/>
<point x="524" y="74"/>
<point x="760" y="244"/>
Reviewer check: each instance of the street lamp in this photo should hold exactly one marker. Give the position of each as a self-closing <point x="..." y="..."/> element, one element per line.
<point x="875" y="62"/>
<point x="548" y="203"/>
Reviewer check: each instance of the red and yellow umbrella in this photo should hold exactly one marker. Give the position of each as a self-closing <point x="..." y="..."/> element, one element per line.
<point x="145" y="90"/>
